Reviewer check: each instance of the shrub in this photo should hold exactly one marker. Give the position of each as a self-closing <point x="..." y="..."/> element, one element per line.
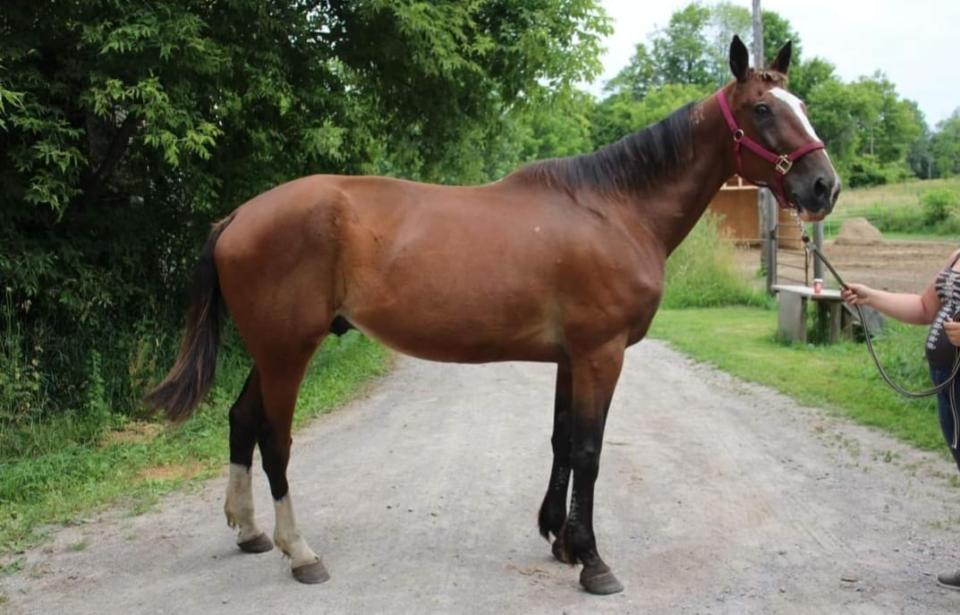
<point x="866" y="171"/>
<point x="702" y="272"/>
<point x="938" y="213"/>
<point x="939" y="205"/>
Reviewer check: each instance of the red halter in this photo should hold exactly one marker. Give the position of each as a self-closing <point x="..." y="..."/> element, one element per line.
<point x="782" y="163"/>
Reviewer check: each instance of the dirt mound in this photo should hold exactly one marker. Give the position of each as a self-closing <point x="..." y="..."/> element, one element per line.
<point x="858" y="231"/>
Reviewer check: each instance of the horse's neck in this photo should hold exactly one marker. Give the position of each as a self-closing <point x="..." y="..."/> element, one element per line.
<point x="671" y="209"/>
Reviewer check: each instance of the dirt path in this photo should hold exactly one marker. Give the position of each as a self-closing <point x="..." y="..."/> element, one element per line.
<point x="899" y="266"/>
<point x="715" y="496"/>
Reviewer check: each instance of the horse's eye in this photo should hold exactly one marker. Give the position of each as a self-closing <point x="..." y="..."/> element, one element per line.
<point x="762" y="110"/>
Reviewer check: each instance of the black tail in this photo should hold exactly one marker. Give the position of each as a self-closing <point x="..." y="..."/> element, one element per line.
<point x="192" y="374"/>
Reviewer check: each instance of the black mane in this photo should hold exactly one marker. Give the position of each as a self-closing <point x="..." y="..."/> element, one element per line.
<point x="635" y="162"/>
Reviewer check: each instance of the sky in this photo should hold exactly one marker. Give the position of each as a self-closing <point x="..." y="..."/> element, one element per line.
<point x="911" y="41"/>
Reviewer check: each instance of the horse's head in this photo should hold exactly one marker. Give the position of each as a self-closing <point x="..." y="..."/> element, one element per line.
<point x="774" y="142"/>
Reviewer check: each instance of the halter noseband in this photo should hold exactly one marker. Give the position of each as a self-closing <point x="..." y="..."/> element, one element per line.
<point x="781" y="163"/>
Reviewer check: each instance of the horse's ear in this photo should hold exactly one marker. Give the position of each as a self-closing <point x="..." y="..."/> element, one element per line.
<point x="781" y="63"/>
<point x="739" y="58"/>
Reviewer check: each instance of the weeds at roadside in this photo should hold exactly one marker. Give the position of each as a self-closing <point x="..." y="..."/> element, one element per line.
<point x="80" y="545"/>
<point x="14" y="565"/>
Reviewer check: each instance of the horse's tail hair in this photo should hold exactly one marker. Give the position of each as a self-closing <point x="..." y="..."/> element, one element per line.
<point x="191" y="376"/>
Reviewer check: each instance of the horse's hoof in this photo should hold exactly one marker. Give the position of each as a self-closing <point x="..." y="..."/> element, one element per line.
<point x="311" y="573"/>
<point x="258" y="544"/>
<point x="600" y="580"/>
<point x="558" y="552"/>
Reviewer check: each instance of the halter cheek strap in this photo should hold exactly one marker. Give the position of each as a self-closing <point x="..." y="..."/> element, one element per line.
<point x="781" y="163"/>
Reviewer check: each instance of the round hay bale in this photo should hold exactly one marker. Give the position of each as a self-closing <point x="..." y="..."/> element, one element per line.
<point x="858" y="232"/>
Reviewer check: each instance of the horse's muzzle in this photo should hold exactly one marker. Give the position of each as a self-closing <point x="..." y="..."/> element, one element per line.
<point x="815" y="199"/>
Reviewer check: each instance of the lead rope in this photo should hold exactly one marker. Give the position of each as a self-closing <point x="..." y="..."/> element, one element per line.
<point x="813" y="249"/>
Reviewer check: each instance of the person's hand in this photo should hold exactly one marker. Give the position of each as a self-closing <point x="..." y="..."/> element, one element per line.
<point x="856" y="294"/>
<point x="952" y="329"/>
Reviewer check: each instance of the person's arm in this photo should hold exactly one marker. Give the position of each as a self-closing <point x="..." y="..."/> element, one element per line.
<point x="906" y="307"/>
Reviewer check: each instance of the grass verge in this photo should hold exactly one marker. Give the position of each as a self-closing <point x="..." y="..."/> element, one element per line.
<point x="139" y="462"/>
<point x="841" y="377"/>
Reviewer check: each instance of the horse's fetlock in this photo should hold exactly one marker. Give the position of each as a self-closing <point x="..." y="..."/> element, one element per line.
<point x="578" y="540"/>
<point x="553" y="513"/>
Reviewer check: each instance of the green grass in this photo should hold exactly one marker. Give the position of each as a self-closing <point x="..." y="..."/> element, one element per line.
<point x="742" y="341"/>
<point x="55" y="479"/>
<point x="702" y="272"/>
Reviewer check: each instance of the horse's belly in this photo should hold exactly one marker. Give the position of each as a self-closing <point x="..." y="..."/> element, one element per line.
<point x="458" y="337"/>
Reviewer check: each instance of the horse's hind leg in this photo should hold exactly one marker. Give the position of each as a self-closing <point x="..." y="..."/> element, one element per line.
<point x="246" y="417"/>
<point x="280" y="382"/>
<point x="553" y="511"/>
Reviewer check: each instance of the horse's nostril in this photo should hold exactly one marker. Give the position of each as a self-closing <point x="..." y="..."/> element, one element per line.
<point x="821" y="188"/>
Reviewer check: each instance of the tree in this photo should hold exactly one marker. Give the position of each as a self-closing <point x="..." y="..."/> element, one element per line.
<point x="777" y="31"/>
<point x="804" y="76"/>
<point x="726" y="19"/>
<point x="640" y="74"/>
<point x="920" y="155"/>
<point x="868" y="129"/>
<point x="694" y="48"/>
<point x="945" y="146"/>
<point x="833" y="111"/>
<point x="125" y="128"/>
<point x="559" y="128"/>
<point x="681" y="50"/>
<point x="619" y="115"/>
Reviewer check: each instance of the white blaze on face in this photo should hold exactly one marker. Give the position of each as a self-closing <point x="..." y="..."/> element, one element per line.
<point x="796" y="105"/>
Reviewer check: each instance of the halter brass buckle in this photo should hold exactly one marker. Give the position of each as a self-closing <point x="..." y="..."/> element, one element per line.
<point x="783" y="165"/>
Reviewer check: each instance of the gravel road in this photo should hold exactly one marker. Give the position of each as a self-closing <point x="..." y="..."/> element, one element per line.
<point x="715" y="496"/>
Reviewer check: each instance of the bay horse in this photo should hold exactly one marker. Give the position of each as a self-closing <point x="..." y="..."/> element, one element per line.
<point x="561" y="261"/>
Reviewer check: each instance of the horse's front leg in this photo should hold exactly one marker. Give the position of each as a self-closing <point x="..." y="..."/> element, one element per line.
<point x="553" y="511"/>
<point x="594" y="374"/>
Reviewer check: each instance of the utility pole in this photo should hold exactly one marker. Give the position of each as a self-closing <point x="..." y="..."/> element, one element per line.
<point x="766" y="204"/>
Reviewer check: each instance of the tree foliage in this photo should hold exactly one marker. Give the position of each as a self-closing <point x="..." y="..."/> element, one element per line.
<point x="868" y="128"/>
<point x="126" y="127"/>
<point x="945" y="147"/>
<point x="621" y="114"/>
<point x="694" y="48"/>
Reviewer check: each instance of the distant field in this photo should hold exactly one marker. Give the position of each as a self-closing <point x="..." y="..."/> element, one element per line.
<point x="906" y="193"/>
<point x="895" y="209"/>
